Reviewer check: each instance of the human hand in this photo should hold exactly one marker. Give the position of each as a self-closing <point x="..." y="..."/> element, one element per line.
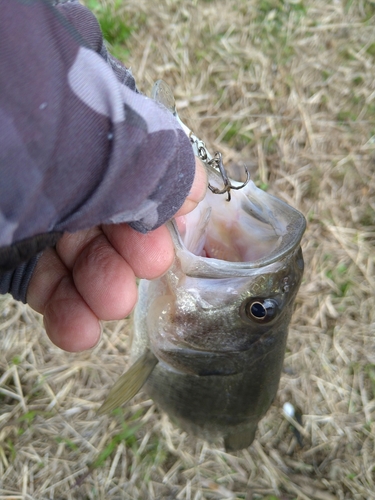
<point x="91" y="275"/>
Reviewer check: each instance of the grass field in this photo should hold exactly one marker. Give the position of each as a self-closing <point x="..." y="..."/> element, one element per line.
<point x="288" y="88"/>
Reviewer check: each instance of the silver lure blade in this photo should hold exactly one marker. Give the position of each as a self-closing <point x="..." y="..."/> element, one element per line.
<point x="161" y="92"/>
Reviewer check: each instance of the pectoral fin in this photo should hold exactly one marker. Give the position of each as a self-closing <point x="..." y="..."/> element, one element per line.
<point x="130" y="383"/>
<point x="242" y="439"/>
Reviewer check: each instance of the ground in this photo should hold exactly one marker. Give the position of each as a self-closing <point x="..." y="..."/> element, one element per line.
<point x="288" y="88"/>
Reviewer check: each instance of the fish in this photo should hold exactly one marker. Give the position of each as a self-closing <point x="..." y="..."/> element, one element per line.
<point x="210" y="335"/>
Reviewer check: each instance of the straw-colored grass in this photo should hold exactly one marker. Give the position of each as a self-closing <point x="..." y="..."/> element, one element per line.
<point x="287" y="87"/>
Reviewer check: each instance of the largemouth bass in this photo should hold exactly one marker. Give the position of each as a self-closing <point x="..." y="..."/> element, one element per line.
<point x="210" y="335"/>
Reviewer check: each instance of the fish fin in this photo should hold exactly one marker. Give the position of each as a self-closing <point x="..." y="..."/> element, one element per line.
<point x="130" y="383"/>
<point x="240" y="440"/>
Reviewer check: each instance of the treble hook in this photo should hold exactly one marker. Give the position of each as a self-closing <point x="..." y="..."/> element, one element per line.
<point x="218" y="161"/>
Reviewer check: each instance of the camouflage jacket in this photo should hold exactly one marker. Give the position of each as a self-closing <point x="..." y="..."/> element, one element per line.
<point x="79" y="145"/>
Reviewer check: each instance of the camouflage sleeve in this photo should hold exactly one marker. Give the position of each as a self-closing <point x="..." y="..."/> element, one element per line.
<point x="79" y="145"/>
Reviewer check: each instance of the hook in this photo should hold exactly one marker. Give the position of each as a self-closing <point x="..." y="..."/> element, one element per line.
<point x="217" y="162"/>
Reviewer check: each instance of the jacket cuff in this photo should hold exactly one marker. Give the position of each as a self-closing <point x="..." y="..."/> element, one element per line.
<point x="16" y="281"/>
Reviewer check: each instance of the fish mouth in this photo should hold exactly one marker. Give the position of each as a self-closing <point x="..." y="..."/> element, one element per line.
<point x="253" y="230"/>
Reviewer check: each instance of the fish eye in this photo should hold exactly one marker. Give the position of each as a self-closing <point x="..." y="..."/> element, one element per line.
<point x="260" y="310"/>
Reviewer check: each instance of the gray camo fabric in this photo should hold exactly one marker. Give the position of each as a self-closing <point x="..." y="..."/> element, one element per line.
<point x="79" y="144"/>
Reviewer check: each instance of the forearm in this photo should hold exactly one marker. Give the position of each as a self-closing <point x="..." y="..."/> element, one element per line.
<point x="79" y="145"/>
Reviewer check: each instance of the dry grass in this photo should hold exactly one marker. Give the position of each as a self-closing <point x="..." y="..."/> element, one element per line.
<point x="289" y="89"/>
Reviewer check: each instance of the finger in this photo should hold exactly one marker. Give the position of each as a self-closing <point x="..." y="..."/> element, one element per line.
<point x="69" y="322"/>
<point x="70" y="245"/>
<point x="105" y="280"/>
<point x="101" y="276"/>
<point x="149" y="255"/>
<point x="198" y="189"/>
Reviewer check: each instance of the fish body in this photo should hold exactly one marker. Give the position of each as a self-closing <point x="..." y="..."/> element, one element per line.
<point x="217" y="321"/>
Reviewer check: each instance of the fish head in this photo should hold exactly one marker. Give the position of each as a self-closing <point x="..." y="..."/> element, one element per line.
<point x="231" y="289"/>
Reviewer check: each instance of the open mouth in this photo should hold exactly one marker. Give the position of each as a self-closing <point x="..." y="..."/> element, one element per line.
<point x="254" y="228"/>
<point x="234" y="231"/>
